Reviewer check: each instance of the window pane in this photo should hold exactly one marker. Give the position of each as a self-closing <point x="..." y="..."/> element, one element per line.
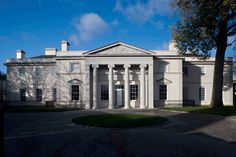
<point x="54" y="94"/>
<point x="104" y="92"/>
<point x="38" y="71"/>
<point x="202" y="93"/>
<point x="163" y="92"/>
<point x="75" y="67"/>
<point x="38" y="94"/>
<point x="22" y="71"/>
<point x="74" y="92"/>
<point x="133" y="92"/>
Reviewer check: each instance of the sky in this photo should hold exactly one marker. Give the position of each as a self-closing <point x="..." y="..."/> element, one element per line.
<point x="33" y="25"/>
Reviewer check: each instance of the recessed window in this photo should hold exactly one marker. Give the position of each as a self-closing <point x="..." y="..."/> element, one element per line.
<point x="38" y="95"/>
<point x="133" y="92"/>
<point x="22" y="71"/>
<point x="163" y="92"/>
<point x="104" y="92"/>
<point x="203" y="70"/>
<point x="185" y="71"/>
<point x="202" y="93"/>
<point x="22" y="95"/>
<point x="74" y="92"/>
<point x="38" y="71"/>
<point x="75" y="67"/>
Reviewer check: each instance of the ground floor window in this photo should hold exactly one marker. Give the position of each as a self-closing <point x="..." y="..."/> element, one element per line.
<point x="202" y="93"/>
<point x="54" y="94"/>
<point x="163" y="92"/>
<point x="22" y="94"/>
<point x="104" y="92"/>
<point x="38" y="94"/>
<point x="74" y="92"/>
<point x="133" y="92"/>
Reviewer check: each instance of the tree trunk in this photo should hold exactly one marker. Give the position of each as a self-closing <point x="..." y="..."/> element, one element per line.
<point x="216" y="99"/>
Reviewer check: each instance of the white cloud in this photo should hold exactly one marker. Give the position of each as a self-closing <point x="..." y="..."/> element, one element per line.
<point x="88" y="26"/>
<point x="142" y="12"/>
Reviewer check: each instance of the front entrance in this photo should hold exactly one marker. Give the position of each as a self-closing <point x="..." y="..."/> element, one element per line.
<point x="119" y="96"/>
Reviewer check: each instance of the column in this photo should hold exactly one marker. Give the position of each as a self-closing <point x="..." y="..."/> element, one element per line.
<point x="95" y="66"/>
<point x="87" y="86"/>
<point x="142" y="86"/>
<point x="127" y="87"/>
<point x="150" y="86"/>
<point x="111" y="86"/>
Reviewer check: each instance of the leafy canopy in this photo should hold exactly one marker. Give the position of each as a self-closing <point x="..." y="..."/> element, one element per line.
<point x="204" y="25"/>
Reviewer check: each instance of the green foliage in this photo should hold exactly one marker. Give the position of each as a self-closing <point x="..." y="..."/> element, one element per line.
<point x="204" y="25"/>
<point x="119" y="120"/>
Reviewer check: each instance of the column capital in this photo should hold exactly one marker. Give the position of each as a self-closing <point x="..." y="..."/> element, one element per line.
<point x="95" y="65"/>
<point x="142" y="65"/>
<point x="110" y="66"/>
<point x="127" y="65"/>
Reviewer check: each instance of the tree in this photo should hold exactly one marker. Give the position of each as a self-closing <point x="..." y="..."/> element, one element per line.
<point x="204" y="26"/>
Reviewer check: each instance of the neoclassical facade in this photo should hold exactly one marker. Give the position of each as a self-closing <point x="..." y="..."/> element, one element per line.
<point x="117" y="75"/>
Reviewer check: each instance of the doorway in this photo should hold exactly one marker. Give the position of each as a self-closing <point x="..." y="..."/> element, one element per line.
<point x="119" y="96"/>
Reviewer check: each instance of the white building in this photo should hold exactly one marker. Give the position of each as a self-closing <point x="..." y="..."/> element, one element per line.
<point x="113" y="76"/>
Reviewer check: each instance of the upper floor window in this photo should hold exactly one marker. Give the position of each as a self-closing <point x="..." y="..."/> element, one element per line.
<point x="38" y="71"/>
<point x="22" y="71"/>
<point x="163" y="92"/>
<point x="75" y="67"/>
<point x="203" y="70"/>
<point x="185" y="71"/>
<point x="133" y="92"/>
<point x="163" y="67"/>
<point x="53" y="71"/>
<point x="202" y="93"/>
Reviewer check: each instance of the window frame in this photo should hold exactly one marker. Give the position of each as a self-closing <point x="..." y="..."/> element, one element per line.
<point x="22" y="71"/>
<point x="75" y="92"/>
<point x="163" y="92"/>
<point x="39" y="95"/>
<point x="72" y="67"/>
<point x="54" y="94"/>
<point x="202" y="94"/>
<point x="23" y="96"/>
<point x="134" y="91"/>
<point x="37" y="71"/>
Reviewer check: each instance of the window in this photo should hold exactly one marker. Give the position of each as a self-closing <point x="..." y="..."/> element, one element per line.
<point x="38" y="95"/>
<point x="185" y="71"/>
<point x="22" y="94"/>
<point x="104" y="92"/>
<point x="163" y="67"/>
<point x="53" y="71"/>
<point x="38" y="71"/>
<point x="163" y="92"/>
<point x="203" y="70"/>
<point x="22" y="71"/>
<point x="74" y="92"/>
<point x="202" y="93"/>
<point x="75" y="67"/>
<point x="54" y="94"/>
<point x="133" y="92"/>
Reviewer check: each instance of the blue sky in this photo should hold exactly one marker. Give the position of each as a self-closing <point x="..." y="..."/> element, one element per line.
<point x="33" y="25"/>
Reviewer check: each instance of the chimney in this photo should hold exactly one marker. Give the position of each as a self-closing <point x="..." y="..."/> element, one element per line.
<point x="64" y="45"/>
<point x="20" y="54"/>
<point x="50" y="51"/>
<point x="172" y="45"/>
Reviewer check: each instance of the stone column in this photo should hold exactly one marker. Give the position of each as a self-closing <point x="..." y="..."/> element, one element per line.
<point x="111" y="86"/>
<point x="142" y="86"/>
<point x="127" y="87"/>
<point x="95" y="66"/>
<point x="150" y="86"/>
<point x="87" y="86"/>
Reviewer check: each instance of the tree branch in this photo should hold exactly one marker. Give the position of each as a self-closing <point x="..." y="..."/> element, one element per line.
<point x="231" y="33"/>
<point x="231" y="27"/>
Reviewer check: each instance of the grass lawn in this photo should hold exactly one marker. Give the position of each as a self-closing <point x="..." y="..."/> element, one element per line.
<point x="119" y="120"/>
<point x="225" y="111"/>
<point x="37" y="109"/>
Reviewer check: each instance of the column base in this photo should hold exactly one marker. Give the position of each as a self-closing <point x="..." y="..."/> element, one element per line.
<point x="142" y="107"/>
<point x="126" y="107"/>
<point x="94" y="108"/>
<point x="87" y="107"/>
<point x="110" y="107"/>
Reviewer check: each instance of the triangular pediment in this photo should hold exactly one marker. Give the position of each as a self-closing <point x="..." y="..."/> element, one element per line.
<point x="75" y="81"/>
<point x="164" y="80"/>
<point x="119" y="49"/>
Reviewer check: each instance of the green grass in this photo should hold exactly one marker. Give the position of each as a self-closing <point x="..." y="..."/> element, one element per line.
<point x="119" y="120"/>
<point x="225" y="111"/>
<point x="37" y="109"/>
